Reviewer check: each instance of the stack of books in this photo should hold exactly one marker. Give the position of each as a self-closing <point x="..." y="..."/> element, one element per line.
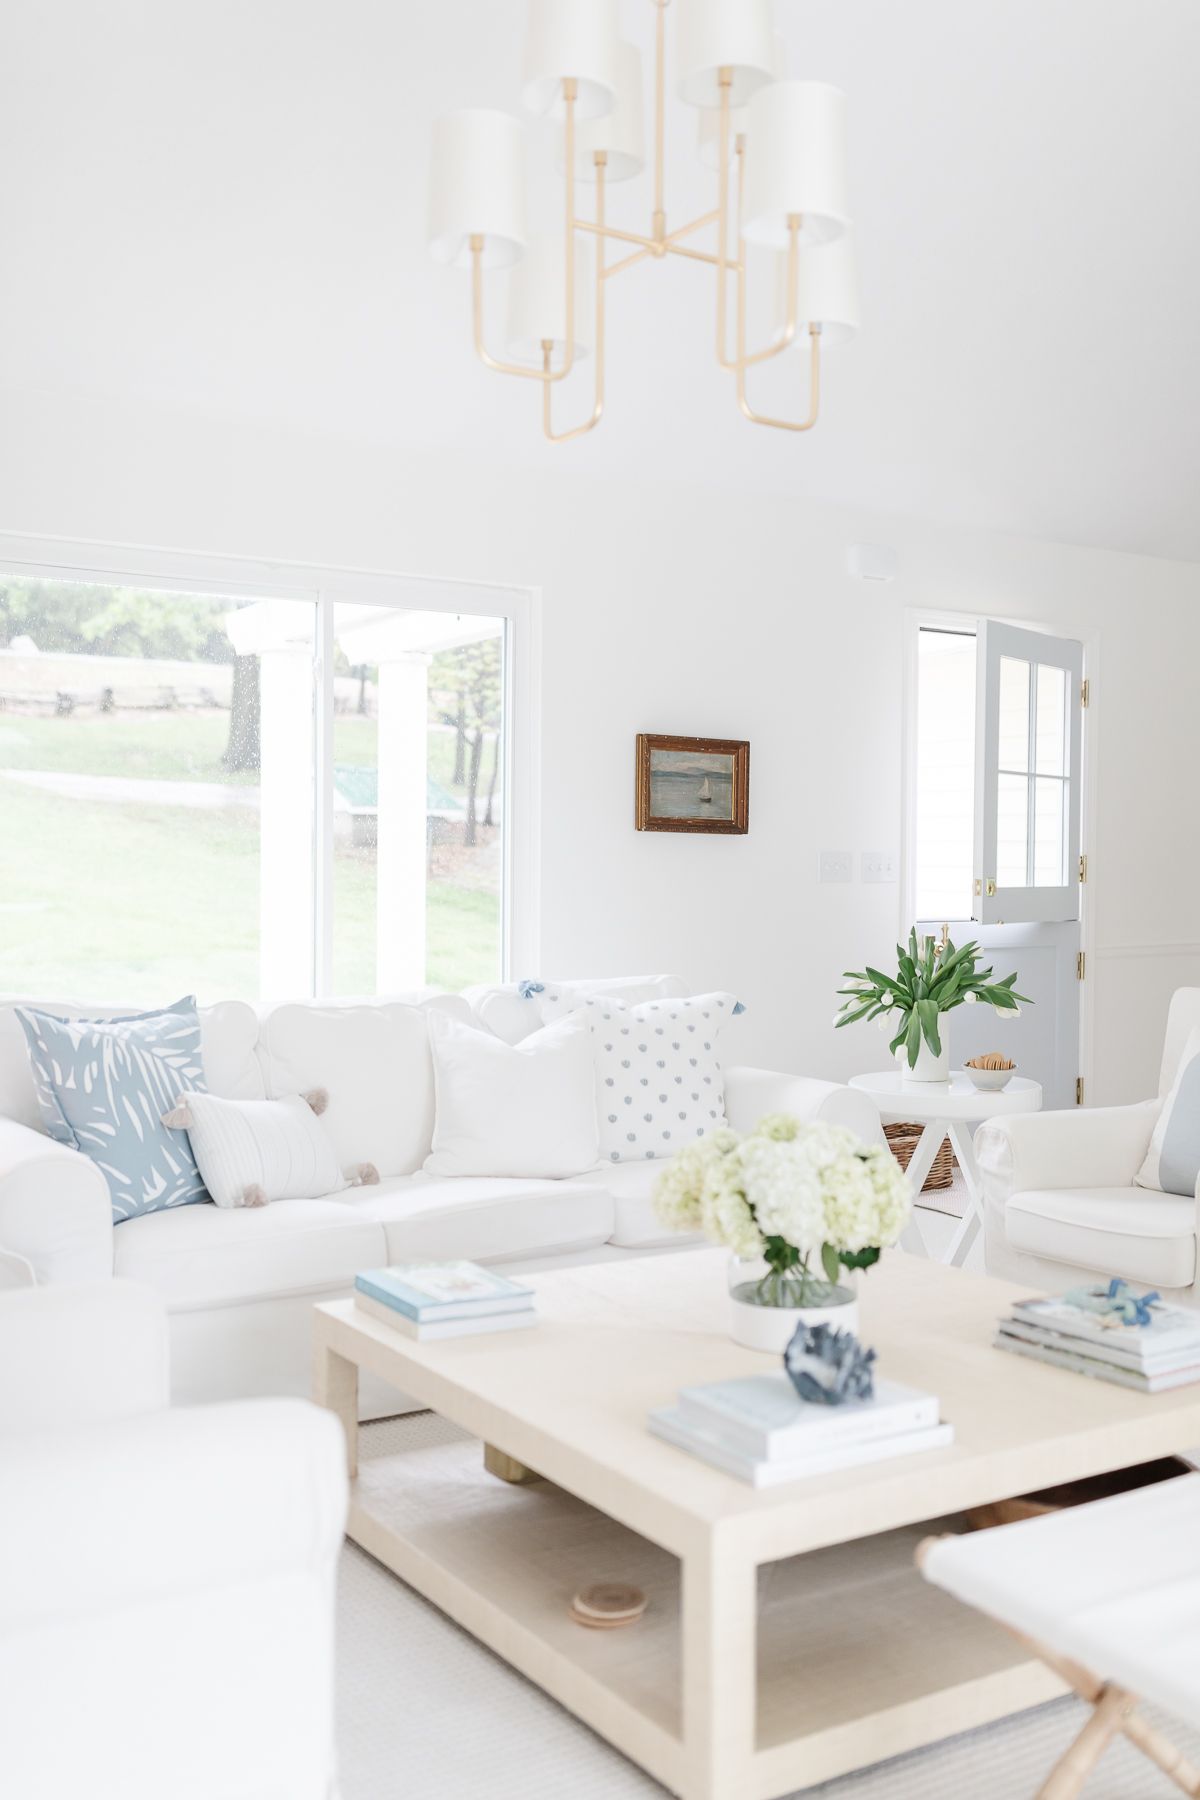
<point x="759" y="1429"/>
<point x="1151" y="1358"/>
<point x="443" y="1300"/>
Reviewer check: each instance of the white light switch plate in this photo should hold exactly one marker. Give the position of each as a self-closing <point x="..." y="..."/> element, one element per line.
<point x="877" y="865"/>
<point x="836" y="865"/>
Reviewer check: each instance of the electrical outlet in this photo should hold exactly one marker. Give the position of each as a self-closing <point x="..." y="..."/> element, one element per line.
<point x="836" y="865"/>
<point x="877" y="865"/>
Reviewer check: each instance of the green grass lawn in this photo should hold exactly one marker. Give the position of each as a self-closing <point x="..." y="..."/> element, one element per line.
<point x="145" y="903"/>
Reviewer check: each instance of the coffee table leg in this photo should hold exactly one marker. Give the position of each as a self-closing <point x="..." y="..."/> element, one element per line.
<point x="720" y="1633"/>
<point x="972" y="1219"/>
<point x="335" y="1385"/>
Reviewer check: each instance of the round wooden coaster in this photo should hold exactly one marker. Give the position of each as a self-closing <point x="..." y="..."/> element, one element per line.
<point x="607" y="1605"/>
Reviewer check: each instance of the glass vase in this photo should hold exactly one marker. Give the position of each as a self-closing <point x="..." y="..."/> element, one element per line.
<point x="766" y="1305"/>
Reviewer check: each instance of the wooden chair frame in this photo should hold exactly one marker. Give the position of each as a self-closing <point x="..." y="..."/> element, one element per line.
<point x="1115" y="1711"/>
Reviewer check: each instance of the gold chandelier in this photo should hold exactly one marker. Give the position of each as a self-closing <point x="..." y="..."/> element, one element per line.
<point x="778" y="149"/>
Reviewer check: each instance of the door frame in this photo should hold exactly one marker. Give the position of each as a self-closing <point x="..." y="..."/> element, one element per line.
<point x="947" y="618"/>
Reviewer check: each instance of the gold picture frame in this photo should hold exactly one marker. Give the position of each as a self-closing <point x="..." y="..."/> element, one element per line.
<point x="692" y="784"/>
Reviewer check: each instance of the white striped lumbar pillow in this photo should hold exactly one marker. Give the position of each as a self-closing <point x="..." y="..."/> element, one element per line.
<point x="252" y="1151"/>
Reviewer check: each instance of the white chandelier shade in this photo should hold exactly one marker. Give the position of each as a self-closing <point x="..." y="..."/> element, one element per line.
<point x="570" y="40"/>
<point x="796" y="163"/>
<point x="826" y="292"/>
<point x="618" y="135"/>
<point x="712" y="35"/>
<point x="537" y="301"/>
<point x="708" y="118"/>
<point x="477" y="187"/>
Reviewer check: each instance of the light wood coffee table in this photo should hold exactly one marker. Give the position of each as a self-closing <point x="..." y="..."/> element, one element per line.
<point x="788" y="1637"/>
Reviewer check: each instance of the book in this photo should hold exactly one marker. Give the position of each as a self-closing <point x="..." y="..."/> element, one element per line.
<point x="1172" y="1330"/>
<point x="443" y="1328"/>
<point x="1104" y="1350"/>
<point x="450" y="1290"/>
<point x="763" y="1417"/>
<point x="1081" y="1364"/>
<point x="666" y="1423"/>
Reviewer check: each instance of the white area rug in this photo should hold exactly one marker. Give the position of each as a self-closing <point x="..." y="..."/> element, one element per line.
<point x="428" y="1714"/>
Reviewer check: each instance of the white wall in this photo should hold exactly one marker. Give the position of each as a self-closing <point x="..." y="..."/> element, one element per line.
<point x="687" y="610"/>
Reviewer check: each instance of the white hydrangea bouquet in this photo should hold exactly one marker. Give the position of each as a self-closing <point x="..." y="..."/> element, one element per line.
<point x="806" y="1200"/>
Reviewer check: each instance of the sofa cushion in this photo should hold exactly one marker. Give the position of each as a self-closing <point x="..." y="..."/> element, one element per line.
<point x="1148" y="1238"/>
<point x="199" y="1256"/>
<point x="426" y="1219"/>
<point x="511" y="1010"/>
<point x="636" y="1224"/>
<point x="526" y="1109"/>
<point x="374" y="1063"/>
<point x="228" y="1034"/>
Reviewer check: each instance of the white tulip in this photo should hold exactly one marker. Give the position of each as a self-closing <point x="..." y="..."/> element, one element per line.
<point x="969" y="999"/>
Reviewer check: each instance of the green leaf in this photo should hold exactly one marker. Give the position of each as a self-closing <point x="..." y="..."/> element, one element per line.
<point x="858" y="1259"/>
<point x="900" y="1035"/>
<point x="912" y="1038"/>
<point x="929" y="1025"/>
<point x="852" y="1018"/>
<point x="883" y="981"/>
<point x="830" y="1263"/>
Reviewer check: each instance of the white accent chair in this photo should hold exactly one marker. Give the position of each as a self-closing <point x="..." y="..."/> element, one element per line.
<point x="1105" y="1594"/>
<point x="167" y="1578"/>
<point x="1060" y="1204"/>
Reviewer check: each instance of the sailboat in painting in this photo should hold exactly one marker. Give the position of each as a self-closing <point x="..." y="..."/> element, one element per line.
<point x="706" y="792"/>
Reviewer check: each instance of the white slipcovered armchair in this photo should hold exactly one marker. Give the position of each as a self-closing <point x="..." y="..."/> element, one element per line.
<point x="1060" y="1203"/>
<point x="166" y="1577"/>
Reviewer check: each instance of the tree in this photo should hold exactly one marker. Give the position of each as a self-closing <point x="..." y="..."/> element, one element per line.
<point x="243" y="748"/>
<point x="475" y="673"/>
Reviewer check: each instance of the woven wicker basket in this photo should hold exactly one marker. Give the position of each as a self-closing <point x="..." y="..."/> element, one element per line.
<point x="903" y="1141"/>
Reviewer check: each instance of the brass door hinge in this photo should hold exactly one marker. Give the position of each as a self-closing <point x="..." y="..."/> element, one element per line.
<point x="1083" y="868"/>
<point x="1085" y="692"/>
<point x="1079" y="1090"/>
<point x="1080" y="965"/>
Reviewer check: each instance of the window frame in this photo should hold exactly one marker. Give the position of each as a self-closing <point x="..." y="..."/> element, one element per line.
<point x="324" y="586"/>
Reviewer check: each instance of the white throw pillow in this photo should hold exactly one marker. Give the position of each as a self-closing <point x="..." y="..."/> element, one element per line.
<point x="1172" y="1164"/>
<point x="252" y="1151"/>
<point x="526" y="1109"/>
<point x="659" y="1085"/>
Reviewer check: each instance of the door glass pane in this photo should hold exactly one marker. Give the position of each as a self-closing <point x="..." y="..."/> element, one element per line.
<point x="1051" y="720"/>
<point x="418" y="805"/>
<point x="1049" y="841"/>
<point x="156" y="793"/>
<point x="945" y="825"/>
<point x="1012" y="831"/>
<point x="1014" y="713"/>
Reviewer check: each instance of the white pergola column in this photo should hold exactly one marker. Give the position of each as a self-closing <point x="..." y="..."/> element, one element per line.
<point x="285" y="822"/>
<point x="402" y="823"/>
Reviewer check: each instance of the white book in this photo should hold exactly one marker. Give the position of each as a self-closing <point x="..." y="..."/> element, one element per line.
<point x="1082" y="1364"/>
<point x="763" y="1417"/>
<point x="666" y="1424"/>
<point x="443" y="1328"/>
<point x="1172" y="1328"/>
<point x="1103" y="1350"/>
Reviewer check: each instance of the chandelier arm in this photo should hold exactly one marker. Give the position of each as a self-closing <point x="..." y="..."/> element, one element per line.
<point x="544" y="374"/>
<point x="659" y="221"/>
<point x="564" y="437"/>
<point x="814" y="401"/>
<point x="725" y="78"/>
<point x="692" y="225"/>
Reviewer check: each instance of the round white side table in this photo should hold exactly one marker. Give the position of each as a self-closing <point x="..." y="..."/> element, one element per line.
<point x="948" y="1109"/>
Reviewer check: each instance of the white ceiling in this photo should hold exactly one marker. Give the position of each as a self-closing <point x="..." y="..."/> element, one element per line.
<point x="220" y="204"/>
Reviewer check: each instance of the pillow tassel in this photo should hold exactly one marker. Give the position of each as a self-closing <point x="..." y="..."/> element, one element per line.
<point x="364" y="1175"/>
<point x="180" y="1116"/>
<point x="254" y="1195"/>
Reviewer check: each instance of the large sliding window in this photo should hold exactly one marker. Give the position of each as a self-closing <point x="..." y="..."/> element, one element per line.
<point x="248" y="795"/>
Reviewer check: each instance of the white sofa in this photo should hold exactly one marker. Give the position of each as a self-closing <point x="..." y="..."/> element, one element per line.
<point x="239" y="1284"/>
<point x="167" y="1578"/>
<point x="1060" y="1204"/>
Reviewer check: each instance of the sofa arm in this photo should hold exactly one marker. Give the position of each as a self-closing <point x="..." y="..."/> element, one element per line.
<point x="1098" y="1147"/>
<point x="55" y="1210"/>
<point x="752" y="1093"/>
<point x="80" y="1355"/>
<point x="181" y="1502"/>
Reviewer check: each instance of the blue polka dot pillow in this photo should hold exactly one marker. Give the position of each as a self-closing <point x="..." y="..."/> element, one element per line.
<point x="659" y="1084"/>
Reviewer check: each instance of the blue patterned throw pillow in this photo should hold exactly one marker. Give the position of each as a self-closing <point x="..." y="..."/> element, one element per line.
<point x="102" y="1088"/>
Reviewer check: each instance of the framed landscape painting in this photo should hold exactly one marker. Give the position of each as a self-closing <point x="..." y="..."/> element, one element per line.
<point x="692" y="784"/>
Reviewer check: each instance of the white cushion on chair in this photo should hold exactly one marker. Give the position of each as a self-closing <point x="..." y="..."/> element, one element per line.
<point x="1115" y="1585"/>
<point x="1147" y="1238"/>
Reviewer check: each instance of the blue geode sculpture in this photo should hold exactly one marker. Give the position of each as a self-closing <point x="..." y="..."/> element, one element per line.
<point x="827" y="1366"/>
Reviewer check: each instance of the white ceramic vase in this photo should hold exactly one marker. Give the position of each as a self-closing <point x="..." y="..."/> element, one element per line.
<point x="928" y="1066"/>
<point x="762" y="1326"/>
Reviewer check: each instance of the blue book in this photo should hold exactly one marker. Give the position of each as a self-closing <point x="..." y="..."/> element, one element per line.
<point x="424" y="1292"/>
